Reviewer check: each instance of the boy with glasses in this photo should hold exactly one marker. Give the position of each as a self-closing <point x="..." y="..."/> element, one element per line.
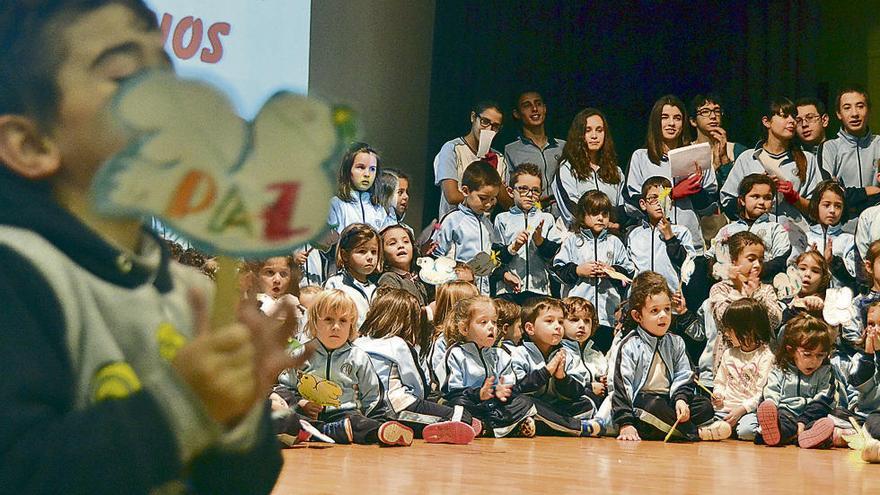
<point x="524" y="230"/>
<point x="706" y="115"/>
<point x="812" y="122"/>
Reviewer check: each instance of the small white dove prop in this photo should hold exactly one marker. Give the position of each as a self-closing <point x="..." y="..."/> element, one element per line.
<point x="249" y="189"/>
<point x="687" y="270"/>
<point x="788" y="284"/>
<point x="437" y="271"/>
<point x="838" y="306"/>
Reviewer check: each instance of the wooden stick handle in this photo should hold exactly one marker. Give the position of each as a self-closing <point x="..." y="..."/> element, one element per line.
<point x="227" y="295"/>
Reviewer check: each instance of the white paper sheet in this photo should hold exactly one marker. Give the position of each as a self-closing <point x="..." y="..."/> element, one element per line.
<point x="681" y="160"/>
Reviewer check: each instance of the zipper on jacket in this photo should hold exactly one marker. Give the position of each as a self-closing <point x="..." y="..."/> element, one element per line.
<point x="363" y="211"/>
<point x="329" y="358"/>
<point x="596" y="279"/>
<point x="526" y="217"/>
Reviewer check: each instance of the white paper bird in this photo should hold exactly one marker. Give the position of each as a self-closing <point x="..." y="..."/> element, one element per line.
<point x="437" y="271"/>
<point x="787" y="284"/>
<point x="838" y="307"/>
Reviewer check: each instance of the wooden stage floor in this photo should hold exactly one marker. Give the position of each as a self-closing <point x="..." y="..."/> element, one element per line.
<point x="572" y="465"/>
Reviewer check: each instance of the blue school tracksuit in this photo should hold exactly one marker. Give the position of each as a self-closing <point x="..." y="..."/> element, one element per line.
<point x="843" y="250"/>
<point x="470" y="233"/>
<point x="685" y="211"/>
<point x="467" y="367"/>
<point x="531" y="262"/>
<point x="777" y="246"/>
<point x="649" y="251"/>
<point x="358" y="209"/>
<point x="604" y="292"/>
<point x="567" y="190"/>
<point x="852" y="160"/>
<point x="523" y="150"/>
<point x="750" y="163"/>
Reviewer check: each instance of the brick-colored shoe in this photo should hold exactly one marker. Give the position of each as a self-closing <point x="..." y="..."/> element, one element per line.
<point x="768" y="419"/>
<point x="454" y="432"/>
<point x="477" y="425"/>
<point x="394" y="433"/>
<point x="817" y="436"/>
<point x="719" y="430"/>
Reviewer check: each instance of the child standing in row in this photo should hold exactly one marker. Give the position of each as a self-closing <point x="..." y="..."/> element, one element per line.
<point x="827" y="236"/>
<point x="356" y="200"/>
<point x="524" y="229"/>
<point x="653" y="380"/>
<point x="744" y="367"/>
<point x="657" y="245"/>
<point x="467" y="229"/>
<point x="358" y="256"/>
<point x="587" y="257"/>
<point x="756" y="192"/>
<point x="480" y="376"/>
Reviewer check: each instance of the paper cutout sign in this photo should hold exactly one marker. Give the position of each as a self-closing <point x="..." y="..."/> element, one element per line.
<point x="482" y="264"/>
<point x="249" y="189"/>
<point x="788" y="284"/>
<point x="318" y="390"/>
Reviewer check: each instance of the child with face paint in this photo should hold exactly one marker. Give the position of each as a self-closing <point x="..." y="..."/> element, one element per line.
<point x="356" y="200"/>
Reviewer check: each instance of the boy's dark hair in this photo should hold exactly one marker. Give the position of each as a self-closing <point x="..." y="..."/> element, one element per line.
<point x="853" y="88"/>
<point x="645" y="285"/>
<point x="805" y="331"/>
<point x="483" y="105"/>
<point x="31" y="55"/>
<point x="873" y="252"/>
<point x="530" y="313"/>
<point x="740" y="241"/>
<point x="809" y="100"/>
<point x="508" y="312"/>
<point x="343" y="176"/>
<point x="747" y="319"/>
<point x="592" y="203"/>
<point x="523" y="92"/>
<point x="823" y="187"/>
<point x="753" y="180"/>
<point x="525" y="169"/>
<point x="574" y="305"/>
<point x="655" y="181"/>
<point x="701" y="100"/>
<point x="400" y="174"/>
<point x="480" y="174"/>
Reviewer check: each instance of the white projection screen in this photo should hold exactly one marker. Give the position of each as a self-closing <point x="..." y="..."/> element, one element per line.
<point x="250" y="49"/>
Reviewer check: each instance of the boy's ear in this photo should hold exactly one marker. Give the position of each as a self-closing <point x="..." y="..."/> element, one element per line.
<point x="25" y="150"/>
<point x="643" y="205"/>
<point x="740" y="202"/>
<point x="636" y="315"/>
<point x="510" y="190"/>
<point x="465" y="189"/>
<point x="529" y="328"/>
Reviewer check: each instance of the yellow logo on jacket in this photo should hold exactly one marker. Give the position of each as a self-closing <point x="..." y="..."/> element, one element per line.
<point x="115" y="380"/>
<point x="170" y="341"/>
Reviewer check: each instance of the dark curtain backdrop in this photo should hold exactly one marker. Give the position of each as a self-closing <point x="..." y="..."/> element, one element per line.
<point x="619" y="56"/>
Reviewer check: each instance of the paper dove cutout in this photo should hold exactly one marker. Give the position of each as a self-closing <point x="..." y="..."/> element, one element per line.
<point x="838" y="306"/>
<point x="482" y="264"/>
<point x="687" y="269"/>
<point x="320" y="391"/>
<point x="436" y="272"/>
<point x="788" y="284"/>
<point x="250" y="189"/>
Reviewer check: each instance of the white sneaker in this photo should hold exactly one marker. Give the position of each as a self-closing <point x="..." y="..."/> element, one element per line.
<point x="719" y="430"/>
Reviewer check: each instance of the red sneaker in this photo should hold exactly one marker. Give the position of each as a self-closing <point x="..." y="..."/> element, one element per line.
<point x="454" y="432"/>
<point x="817" y="436"/>
<point x="477" y="425"/>
<point x="394" y="433"/>
<point x="768" y="419"/>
